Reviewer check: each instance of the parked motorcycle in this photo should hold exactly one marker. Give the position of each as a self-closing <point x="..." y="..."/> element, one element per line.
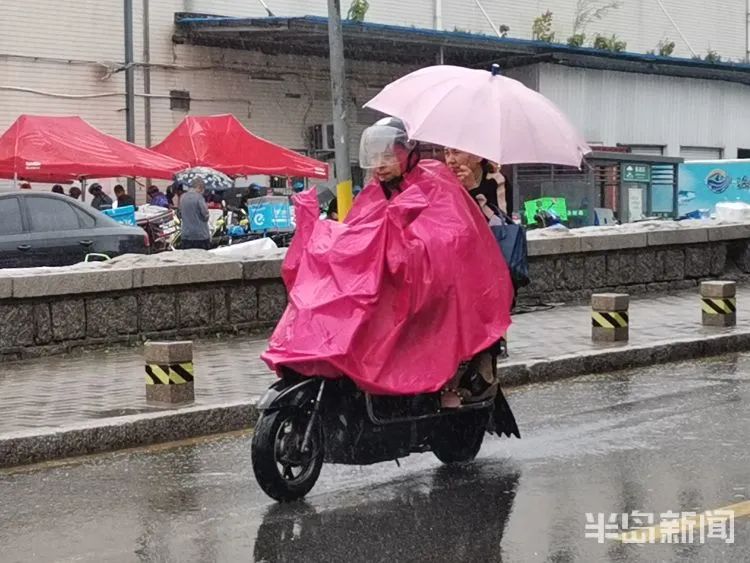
<point x="306" y="421"/>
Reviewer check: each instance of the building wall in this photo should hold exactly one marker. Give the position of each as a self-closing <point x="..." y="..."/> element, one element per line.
<point x="63" y="59"/>
<point x="70" y="68"/>
<point x="639" y="109"/>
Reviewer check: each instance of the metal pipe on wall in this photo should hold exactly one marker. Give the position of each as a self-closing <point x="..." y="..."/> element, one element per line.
<point x="129" y="82"/>
<point x="343" y="171"/>
<point x="488" y="18"/>
<point x="439" y="15"/>
<point x="147" y="72"/>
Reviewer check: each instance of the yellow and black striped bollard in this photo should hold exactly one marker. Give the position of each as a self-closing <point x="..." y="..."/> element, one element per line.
<point x="719" y="303"/>
<point x="609" y="317"/>
<point x="169" y="372"/>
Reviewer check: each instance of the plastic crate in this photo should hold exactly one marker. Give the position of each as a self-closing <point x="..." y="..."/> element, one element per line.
<point x="123" y="215"/>
<point x="270" y="213"/>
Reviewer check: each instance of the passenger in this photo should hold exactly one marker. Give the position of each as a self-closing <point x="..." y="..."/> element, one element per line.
<point x="58" y="189"/>
<point x="75" y="192"/>
<point x="480" y="178"/>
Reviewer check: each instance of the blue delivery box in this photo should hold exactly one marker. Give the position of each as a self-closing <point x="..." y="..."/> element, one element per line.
<point x="270" y="213"/>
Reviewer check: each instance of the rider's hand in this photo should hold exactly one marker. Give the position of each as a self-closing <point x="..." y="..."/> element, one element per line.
<point x="467" y="178"/>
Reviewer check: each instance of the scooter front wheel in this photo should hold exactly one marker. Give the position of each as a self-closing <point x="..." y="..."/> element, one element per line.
<point x="282" y="469"/>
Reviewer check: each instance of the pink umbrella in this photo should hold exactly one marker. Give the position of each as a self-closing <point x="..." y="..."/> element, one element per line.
<point x="483" y="113"/>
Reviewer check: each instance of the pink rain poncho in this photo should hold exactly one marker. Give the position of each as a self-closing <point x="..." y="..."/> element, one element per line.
<point x="397" y="295"/>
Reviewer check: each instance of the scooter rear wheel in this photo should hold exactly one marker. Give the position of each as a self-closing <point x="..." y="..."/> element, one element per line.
<point x="458" y="438"/>
<point x="282" y="470"/>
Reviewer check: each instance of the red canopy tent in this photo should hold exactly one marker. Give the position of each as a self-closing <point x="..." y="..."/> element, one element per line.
<point x="221" y="142"/>
<point x="60" y="149"/>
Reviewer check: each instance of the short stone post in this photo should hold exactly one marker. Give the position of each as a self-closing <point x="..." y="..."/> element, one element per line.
<point x="719" y="303"/>
<point x="609" y="317"/>
<point x="169" y="372"/>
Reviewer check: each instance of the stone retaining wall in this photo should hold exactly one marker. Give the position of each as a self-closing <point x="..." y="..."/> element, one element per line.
<point x="570" y="268"/>
<point x="53" y="312"/>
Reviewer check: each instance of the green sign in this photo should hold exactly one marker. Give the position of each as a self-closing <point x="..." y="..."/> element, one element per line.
<point x="557" y="205"/>
<point x="632" y="172"/>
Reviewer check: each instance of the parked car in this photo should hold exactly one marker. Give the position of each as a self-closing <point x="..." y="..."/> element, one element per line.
<point x="46" y="229"/>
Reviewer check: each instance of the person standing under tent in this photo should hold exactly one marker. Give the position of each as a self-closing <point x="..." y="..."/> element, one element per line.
<point x="194" y="216"/>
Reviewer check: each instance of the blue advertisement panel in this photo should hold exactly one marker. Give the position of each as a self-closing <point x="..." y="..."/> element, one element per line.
<point x="703" y="184"/>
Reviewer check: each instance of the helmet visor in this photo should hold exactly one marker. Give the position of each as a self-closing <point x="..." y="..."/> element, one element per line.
<point x="380" y="145"/>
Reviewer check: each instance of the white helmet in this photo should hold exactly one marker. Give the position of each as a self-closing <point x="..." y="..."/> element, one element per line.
<point x="379" y="141"/>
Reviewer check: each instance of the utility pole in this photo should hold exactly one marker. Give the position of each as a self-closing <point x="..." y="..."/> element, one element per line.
<point x="129" y="84"/>
<point x="343" y="174"/>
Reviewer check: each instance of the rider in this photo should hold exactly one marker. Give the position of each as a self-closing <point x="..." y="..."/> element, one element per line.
<point x="387" y="150"/>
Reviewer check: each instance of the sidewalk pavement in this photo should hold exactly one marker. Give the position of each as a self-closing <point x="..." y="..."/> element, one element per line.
<point x="93" y="390"/>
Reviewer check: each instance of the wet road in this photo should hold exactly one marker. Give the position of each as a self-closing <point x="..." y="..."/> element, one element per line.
<point x="667" y="438"/>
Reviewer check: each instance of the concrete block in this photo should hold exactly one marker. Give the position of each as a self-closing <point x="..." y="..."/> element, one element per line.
<point x="111" y="316"/>
<point x="678" y="236"/>
<point x="6" y="287"/>
<point x="164" y="353"/>
<point x="573" y="271"/>
<point x="554" y="246"/>
<point x="262" y="269"/>
<point x="42" y="324"/>
<point x="622" y="268"/>
<point x="729" y="232"/>
<point x="719" y="320"/>
<point x="698" y="261"/>
<point x="17" y="326"/>
<point x="243" y="304"/>
<point x="718" y="289"/>
<point x="595" y="243"/>
<point x="158" y="311"/>
<point x="271" y="301"/>
<point x="219" y="309"/>
<point x="71" y="283"/>
<point x="68" y="320"/>
<point x="645" y="266"/>
<point x="670" y="265"/>
<point x="601" y="334"/>
<point x="184" y="274"/>
<point x="718" y="259"/>
<point x="171" y="394"/>
<point x="543" y="273"/>
<point x="596" y="271"/>
<point x="194" y="308"/>
<point x="604" y="302"/>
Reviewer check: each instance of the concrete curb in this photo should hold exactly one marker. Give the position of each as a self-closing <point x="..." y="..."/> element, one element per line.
<point x="45" y="444"/>
<point x="627" y="357"/>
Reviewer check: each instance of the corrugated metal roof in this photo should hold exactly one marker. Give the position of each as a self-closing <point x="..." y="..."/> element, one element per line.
<point x="388" y="43"/>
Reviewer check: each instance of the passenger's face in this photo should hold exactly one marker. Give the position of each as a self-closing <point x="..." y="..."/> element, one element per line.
<point x="455" y="159"/>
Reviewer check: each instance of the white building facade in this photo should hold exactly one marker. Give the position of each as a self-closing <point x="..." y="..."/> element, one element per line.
<point x="67" y="58"/>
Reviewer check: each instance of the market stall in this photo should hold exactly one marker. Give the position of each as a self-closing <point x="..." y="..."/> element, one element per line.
<point x="64" y="149"/>
<point x="223" y="143"/>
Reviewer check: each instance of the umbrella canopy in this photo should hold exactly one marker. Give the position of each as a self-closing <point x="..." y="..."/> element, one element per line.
<point x="483" y="113"/>
<point x="59" y="149"/>
<point x="212" y="179"/>
<point x="222" y="142"/>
